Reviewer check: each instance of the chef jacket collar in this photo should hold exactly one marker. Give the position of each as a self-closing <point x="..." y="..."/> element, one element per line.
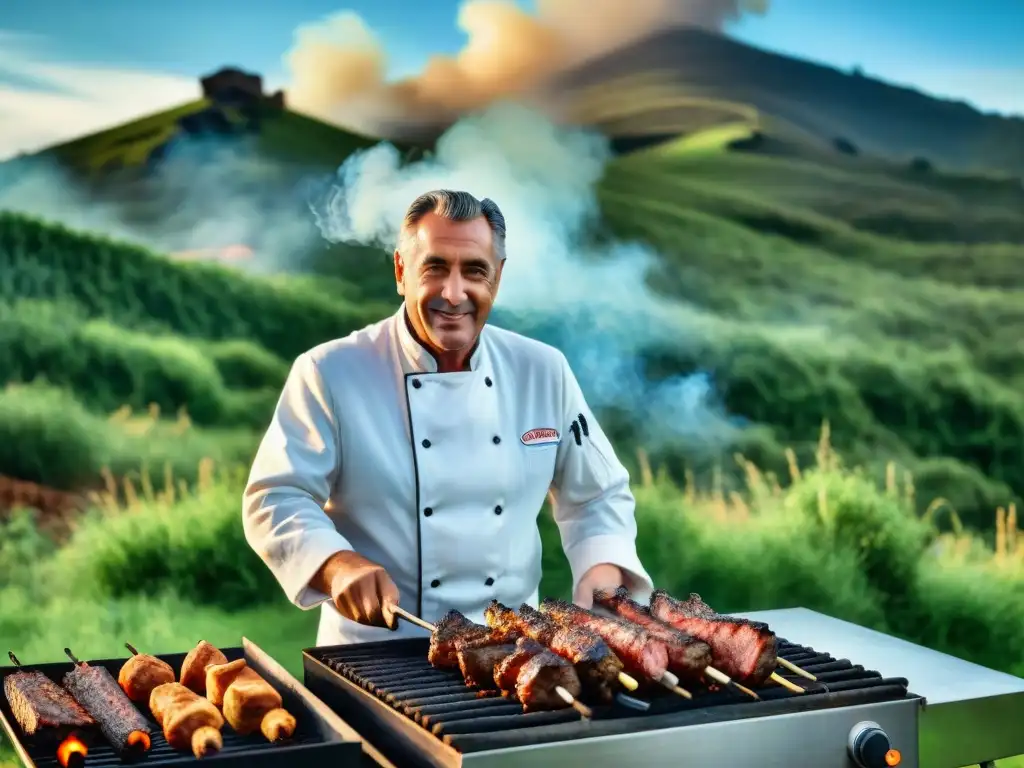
<point x="416" y="358"/>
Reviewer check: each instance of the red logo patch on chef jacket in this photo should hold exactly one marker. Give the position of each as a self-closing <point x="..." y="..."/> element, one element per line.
<point x="537" y="437"/>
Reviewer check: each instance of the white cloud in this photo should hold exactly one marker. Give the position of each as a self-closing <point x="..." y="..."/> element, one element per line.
<point x="71" y="99"/>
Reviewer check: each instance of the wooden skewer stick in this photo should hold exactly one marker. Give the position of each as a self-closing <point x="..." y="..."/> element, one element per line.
<point x="569" y="699"/>
<point x="723" y="679"/>
<point x="562" y="693"/>
<point x="14" y="659"/>
<point x="70" y="655"/>
<point x="671" y="682"/>
<point x="795" y="669"/>
<point x="132" y="649"/>
<point x="775" y="677"/>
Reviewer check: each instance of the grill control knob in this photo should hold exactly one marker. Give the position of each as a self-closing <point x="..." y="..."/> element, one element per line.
<point x="870" y="747"/>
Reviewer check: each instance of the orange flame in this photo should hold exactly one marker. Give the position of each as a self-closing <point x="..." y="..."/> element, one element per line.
<point x="72" y="751"/>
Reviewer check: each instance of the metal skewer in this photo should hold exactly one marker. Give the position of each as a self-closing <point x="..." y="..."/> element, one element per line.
<point x="562" y="693"/>
<point x="14" y="659"/>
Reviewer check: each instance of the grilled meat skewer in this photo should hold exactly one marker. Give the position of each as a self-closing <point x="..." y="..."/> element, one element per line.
<point x="42" y="708"/>
<point x="188" y="720"/>
<point x="455" y="630"/>
<point x="100" y="695"/>
<point x="141" y="674"/>
<point x="749" y="648"/>
<point x="479" y="659"/>
<point x="475" y="650"/>
<point x="744" y="650"/>
<point x="598" y="668"/>
<point x="249" y="702"/>
<point x="687" y="656"/>
<point x="640" y="653"/>
<point x="538" y="678"/>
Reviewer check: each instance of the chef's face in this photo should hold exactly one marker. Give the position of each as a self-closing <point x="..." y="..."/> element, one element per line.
<point x="449" y="280"/>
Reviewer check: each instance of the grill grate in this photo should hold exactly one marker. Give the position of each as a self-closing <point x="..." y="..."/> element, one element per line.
<point x="316" y="742"/>
<point x="400" y="679"/>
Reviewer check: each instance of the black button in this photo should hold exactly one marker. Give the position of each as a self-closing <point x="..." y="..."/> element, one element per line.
<point x="428" y="512"/>
<point x="425" y="443"/>
<point x="497" y="510"/>
<point x="416" y="383"/>
<point x="496" y="439"/>
<point x="488" y="382"/>
<point x="489" y="582"/>
<point x="435" y="583"/>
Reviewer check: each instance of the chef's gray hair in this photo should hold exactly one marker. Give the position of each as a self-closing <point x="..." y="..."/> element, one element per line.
<point x="455" y="206"/>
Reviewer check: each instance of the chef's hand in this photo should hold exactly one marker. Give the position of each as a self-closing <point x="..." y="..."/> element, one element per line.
<point x="362" y="591"/>
<point x="600" y="576"/>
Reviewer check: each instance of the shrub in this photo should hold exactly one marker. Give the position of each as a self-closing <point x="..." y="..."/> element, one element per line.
<point x="48" y="437"/>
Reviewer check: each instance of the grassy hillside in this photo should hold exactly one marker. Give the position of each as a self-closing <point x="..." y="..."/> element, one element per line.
<point x="280" y="134"/>
<point x="809" y="296"/>
<point x="879" y="118"/>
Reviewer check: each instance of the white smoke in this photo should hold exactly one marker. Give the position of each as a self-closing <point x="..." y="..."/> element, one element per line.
<point x="204" y="196"/>
<point x="593" y="299"/>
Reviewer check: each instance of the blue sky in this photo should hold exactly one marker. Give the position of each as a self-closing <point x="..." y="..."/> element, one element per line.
<point x="68" y="64"/>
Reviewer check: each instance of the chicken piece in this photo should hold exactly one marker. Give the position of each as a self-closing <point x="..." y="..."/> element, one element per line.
<point x="250" y="703"/>
<point x="188" y="720"/>
<point x="193" y="669"/>
<point x="219" y="677"/>
<point x="141" y="674"/>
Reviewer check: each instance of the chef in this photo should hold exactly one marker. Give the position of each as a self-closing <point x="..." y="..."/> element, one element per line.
<point x="407" y="463"/>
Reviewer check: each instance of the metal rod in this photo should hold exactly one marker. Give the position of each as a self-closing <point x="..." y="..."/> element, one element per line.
<point x="14" y="659"/>
<point x="795" y="669"/>
<point x="70" y="655"/>
<point x="131" y="648"/>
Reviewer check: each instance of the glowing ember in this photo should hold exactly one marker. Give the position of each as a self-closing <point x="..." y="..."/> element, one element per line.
<point x="72" y="751"/>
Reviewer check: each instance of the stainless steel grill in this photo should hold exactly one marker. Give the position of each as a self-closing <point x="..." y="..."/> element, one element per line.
<point x="417" y="715"/>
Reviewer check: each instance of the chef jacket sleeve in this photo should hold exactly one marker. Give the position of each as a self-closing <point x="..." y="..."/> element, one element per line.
<point x="290" y="482"/>
<point x="594" y="507"/>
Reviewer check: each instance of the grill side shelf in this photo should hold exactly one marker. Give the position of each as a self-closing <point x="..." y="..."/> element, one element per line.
<point x="318" y="742"/>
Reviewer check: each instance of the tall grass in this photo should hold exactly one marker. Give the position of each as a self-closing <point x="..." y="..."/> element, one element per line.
<point x="163" y="564"/>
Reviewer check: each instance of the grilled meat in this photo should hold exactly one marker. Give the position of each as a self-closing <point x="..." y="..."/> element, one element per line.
<point x="597" y="667"/>
<point x="641" y="653"/>
<point x="250" y="702"/>
<point x="533" y="672"/>
<point x="141" y="674"/>
<point x="193" y="668"/>
<point x="452" y="629"/>
<point x="506" y="672"/>
<point x="687" y="656"/>
<point x="42" y="708"/>
<point x="744" y="650"/>
<point x="189" y="721"/>
<point x="478" y="662"/>
<point x="100" y="695"/>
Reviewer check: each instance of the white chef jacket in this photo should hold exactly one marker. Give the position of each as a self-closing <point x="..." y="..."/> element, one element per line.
<point x="439" y="478"/>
